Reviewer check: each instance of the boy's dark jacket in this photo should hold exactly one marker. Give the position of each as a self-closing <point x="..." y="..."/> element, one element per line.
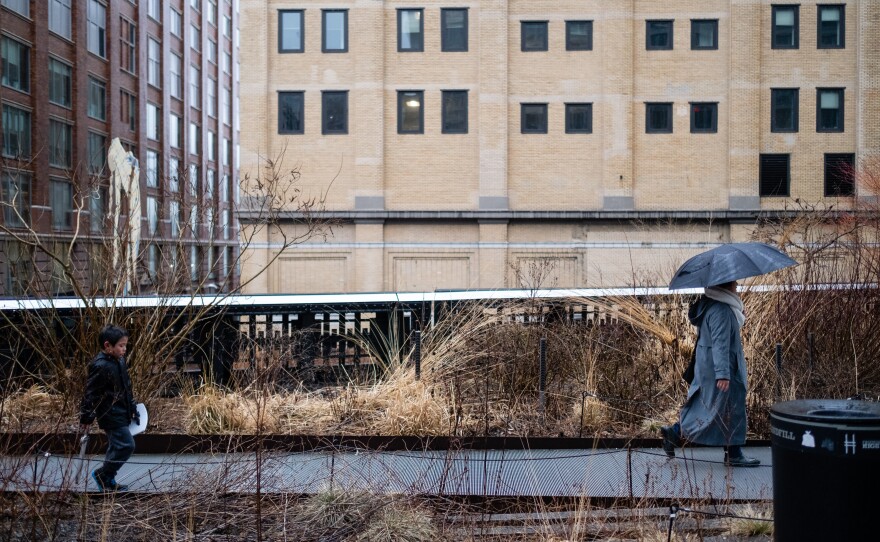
<point x="108" y="394"/>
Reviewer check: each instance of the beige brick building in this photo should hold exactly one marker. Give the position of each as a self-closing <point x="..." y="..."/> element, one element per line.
<point x="491" y="144"/>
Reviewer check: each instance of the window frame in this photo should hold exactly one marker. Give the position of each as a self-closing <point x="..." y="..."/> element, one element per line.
<point x="542" y="109"/>
<point x="421" y="16"/>
<point x="650" y="31"/>
<point x="101" y="29"/>
<point x="22" y="180"/>
<point x="153" y="124"/>
<point x="761" y="172"/>
<point x="839" y="190"/>
<point x="841" y="22"/>
<point x="446" y="95"/>
<point x="65" y="6"/>
<point x="56" y="79"/>
<point x="569" y="46"/>
<point x="402" y="97"/>
<point x="52" y="140"/>
<point x="97" y="157"/>
<point x="26" y="116"/>
<point x="25" y="5"/>
<point x="131" y="108"/>
<point x="97" y="89"/>
<point x="24" y="65"/>
<point x="774" y="30"/>
<point x="300" y="111"/>
<point x="127" y="45"/>
<point x="445" y="32"/>
<point x="544" y="26"/>
<point x="154" y="64"/>
<point x="62" y="202"/>
<point x="695" y="46"/>
<point x="774" y="119"/>
<point x="713" y="129"/>
<point x="569" y="113"/>
<point x="326" y="95"/>
<point x="282" y="13"/>
<point x="840" y="109"/>
<point x="651" y="106"/>
<point x="324" y="13"/>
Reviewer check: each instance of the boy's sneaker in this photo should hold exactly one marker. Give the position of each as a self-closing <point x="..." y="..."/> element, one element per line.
<point x="107" y="485"/>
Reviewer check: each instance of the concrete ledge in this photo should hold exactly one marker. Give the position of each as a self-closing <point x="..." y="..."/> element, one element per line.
<point x="492" y="203"/>
<point x="369" y="203"/>
<point x="618" y="203"/>
<point x="739" y="203"/>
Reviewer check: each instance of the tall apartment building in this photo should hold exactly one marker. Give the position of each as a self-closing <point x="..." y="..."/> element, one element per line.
<point x="159" y="75"/>
<point x="493" y="144"/>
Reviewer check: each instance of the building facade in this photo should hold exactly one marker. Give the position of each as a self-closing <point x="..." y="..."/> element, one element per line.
<point x="161" y="77"/>
<point x="496" y="144"/>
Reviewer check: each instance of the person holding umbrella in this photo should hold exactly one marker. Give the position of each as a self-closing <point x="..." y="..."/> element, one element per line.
<point x="714" y="413"/>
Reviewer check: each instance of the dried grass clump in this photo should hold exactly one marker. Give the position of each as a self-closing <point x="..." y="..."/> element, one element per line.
<point x="336" y="509"/>
<point x="401" y="522"/>
<point x="29" y="407"/>
<point x="213" y="411"/>
<point x="759" y="524"/>
<point x="303" y="414"/>
<point x="411" y="409"/>
<point x="595" y="414"/>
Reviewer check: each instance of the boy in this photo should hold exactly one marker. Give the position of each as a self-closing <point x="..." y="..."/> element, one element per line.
<point x="108" y="397"/>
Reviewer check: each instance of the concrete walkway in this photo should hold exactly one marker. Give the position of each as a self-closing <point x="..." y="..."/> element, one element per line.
<point x="608" y="473"/>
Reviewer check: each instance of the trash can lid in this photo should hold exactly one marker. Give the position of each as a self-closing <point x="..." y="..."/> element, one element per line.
<point x="829" y="410"/>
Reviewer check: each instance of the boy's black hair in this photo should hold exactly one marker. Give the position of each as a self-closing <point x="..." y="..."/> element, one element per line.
<point x="111" y="334"/>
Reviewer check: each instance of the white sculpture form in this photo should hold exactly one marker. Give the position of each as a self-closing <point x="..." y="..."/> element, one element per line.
<point x="124" y="177"/>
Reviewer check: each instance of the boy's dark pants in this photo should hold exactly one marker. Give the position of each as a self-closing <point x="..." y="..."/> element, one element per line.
<point x="120" y="446"/>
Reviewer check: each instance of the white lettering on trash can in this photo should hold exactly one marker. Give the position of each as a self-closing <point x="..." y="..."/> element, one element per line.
<point x="849" y="443"/>
<point x="808" y="441"/>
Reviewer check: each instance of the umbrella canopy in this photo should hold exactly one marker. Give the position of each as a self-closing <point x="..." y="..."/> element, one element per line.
<point x="728" y="262"/>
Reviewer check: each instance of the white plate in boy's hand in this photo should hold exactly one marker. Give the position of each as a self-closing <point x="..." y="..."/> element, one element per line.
<point x="138" y="428"/>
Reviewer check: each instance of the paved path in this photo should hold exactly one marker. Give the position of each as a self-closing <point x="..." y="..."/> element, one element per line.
<point x="637" y="473"/>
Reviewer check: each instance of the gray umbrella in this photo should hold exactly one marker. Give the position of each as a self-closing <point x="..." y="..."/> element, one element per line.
<point x="731" y="261"/>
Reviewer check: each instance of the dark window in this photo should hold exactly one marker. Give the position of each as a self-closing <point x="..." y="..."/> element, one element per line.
<point x="785" y="27"/>
<point x="15" y="64"/>
<point x="704" y="117"/>
<point x="97" y="99"/>
<point x="290" y="112"/>
<point x="16" y="198"/>
<point x="533" y="35"/>
<point x="704" y="33"/>
<point x="455" y="112"/>
<point x="97" y="158"/>
<point x="832" y="27"/>
<point x="658" y="35"/>
<point x="16" y="132"/>
<point x="59" y="144"/>
<point x="454" y="24"/>
<point x="829" y="109"/>
<point x="127" y="45"/>
<point x="578" y="118"/>
<point x="784" y="110"/>
<point x="410" y="30"/>
<point x="578" y="35"/>
<point x="533" y="118"/>
<point x="774" y="179"/>
<point x="658" y="118"/>
<point x="59" y="82"/>
<point x="840" y="175"/>
<point x="410" y="112"/>
<point x="290" y="31"/>
<point x="61" y="200"/>
<point x="334" y="118"/>
<point x="335" y="25"/>
<point x="128" y="109"/>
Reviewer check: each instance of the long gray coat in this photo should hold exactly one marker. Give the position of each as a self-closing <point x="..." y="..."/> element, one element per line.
<point x="712" y="417"/>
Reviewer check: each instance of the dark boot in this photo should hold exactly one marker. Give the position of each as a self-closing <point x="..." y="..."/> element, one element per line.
<point x="734" y="457"/>
<point x="671" y="438"/>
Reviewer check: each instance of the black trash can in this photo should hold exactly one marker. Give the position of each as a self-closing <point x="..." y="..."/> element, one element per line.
<point x="826" y="470"/>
